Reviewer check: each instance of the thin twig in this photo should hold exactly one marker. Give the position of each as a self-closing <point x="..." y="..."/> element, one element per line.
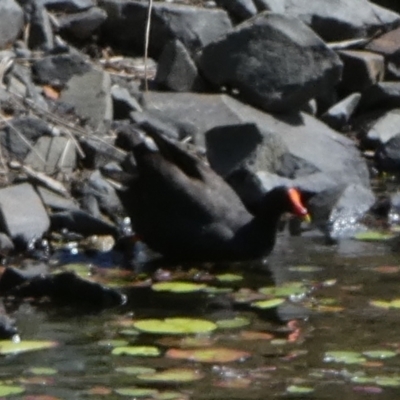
<point x="146" y="44"/>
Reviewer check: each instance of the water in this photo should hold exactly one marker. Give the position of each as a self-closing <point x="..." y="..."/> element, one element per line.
<point x="345" y="278"/>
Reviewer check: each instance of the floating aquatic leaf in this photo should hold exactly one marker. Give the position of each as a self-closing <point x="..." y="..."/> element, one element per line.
<point x="170" y="395"/>
<point x="305" y="268"/>
<point x="381" y="354"/>
<point x="286" y="290"/>
<point x="294" y="389"/>
<point x="180" y="326"/>
<point x="9" y="347"/>
<point x="42" y="371"/>
<point x="229" y="277"/>
<point x="236" y="322"/>
<point x="388" y="381"/>
<point x="385" y="304"/>
<point x="6" y="390"/>
<point x="363" y="379"/>
<point x="135" y="370"/>
<point x="235" y="382"/>
<point x="373" y="236"/>
<point x="136" y="392"/>
<point x="346" y="357"/>
<point x="172" y="375"/>
<point x="267" y="304"/>
<point x="82" y="270"/>
<point x="254" y="335"/>
<point x="186" y="341"/>
<point x="113" y="343"/>
<point x="144" y="351"/>
<point x="209" y="355"/>
<point x="178" y="287"/>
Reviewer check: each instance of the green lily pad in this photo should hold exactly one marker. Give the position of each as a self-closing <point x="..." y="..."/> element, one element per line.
<point x="143" y="351"/>
<point x="267" y="304"/>
<point x="137" y="392"/>
<point x="179" y="326"/>
<point x="294" y="389"/>
<point x="113" y="343"/>
<point x="385" y="304"/>
<point x="373" y="236"/>
<point x="6" y="390"/>
<point x="135" y="370"/>
<point x="209" y="355"/>
<point x="305" y="268"/>
<point x="177" y="375"/>
<point x="346" y="357"/>
<point x="364" y="380"/>
<point x="286" y="290"/>
<point x="178" y="287"/>
<point x="380" y="354"/>
<point x="388" y="381"/>
<point x="237" y="322"/>
<point x="229" y="277"/>
<point x="42" y="371"/>
<point x="170" y="395"/>
<point x="9" y="347"/>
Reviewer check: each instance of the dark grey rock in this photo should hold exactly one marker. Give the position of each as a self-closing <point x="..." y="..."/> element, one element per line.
<point x="69" y="5"/>
<point x="339" y="114"/>
<point x="384" y="128"/>
<point x="123" y="102"/>
<point x="22" y="215"/>
<point x="126" y="25"/>
<point x="275" y="62"/>
<point x="361" y="69"/>
<point x="52" y="154"/>
<point x="100" y="151"/>
<point x="342" y="19"/>
<point x="11" y="22"/>
<point x="387" y="156"/>
<point x="239" y="10"/>
<point x="14" y="137"/>
<point x="150" y="121"/>
<point x="384" y="95"/>
<point x="59" y="69"/>
<point x="56" y="202"/>
<point x="90" y="94"/>
<point x="6" y="244"/>
<point x="337" y="211"/>
<point x="81" y="222"/>
<point x="176" y="70"/>
<point x="40" y="31"/>
<point x="82" y="25"/>
<point x="270" y="5"/>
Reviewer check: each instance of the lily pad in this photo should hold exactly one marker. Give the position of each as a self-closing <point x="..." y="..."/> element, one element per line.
<point x="178" y="287"/>
<point x="346" y="357"/>
<point x="137" y="392"/>
<point x="143" y="351"/>
<point x="229" y="277"/>
<point x="135" y="370"/>
<point x="286" y="290"/>
<point x="113" y="343"/>
<point x="386" y="304"/>
<point x="388" y="381"/>
<point x="176" y="375"/>
<point x="237" y="322"/>
<point x="209" y="355"/>
<point x="6" y="390"/>
<point x="43" y="371"/>
<point x="9" y="347"/>
<point x="267" y="304"/>
<point x="380" y="354"/>
<point x="294" y="389"/>
<point x="373" y="236"/>
<point x="179" y="326"/>
<point x="305" y="268"/>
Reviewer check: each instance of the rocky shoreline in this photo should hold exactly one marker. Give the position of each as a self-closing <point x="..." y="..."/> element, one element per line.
<point x="269" y="92"/>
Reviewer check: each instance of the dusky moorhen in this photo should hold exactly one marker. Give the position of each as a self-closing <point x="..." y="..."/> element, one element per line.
<point x="182" y="209"/>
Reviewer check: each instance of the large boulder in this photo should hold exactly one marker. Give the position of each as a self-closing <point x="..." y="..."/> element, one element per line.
<point x="11" y="22"/>
<point x="336" y="20"/>
<point x="275" y="62"/>
<point x="193" y="26"/>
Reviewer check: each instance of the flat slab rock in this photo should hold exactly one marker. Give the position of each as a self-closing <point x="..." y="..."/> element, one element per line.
<point x="22" y="214"/>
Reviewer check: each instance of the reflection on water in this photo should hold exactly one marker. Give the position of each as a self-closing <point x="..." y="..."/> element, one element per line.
<point x="292" y="360"/>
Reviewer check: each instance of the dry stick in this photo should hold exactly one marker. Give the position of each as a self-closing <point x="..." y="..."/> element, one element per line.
<point x="60" y="162"/>
<point x="146" y="44"/>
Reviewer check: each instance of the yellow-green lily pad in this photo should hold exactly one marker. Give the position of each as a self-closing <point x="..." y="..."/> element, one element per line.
<point x="237" y="322"/>
<point x="136" y="392"/>
<point x="380" y="354"/>
<point x="268" y="304"/>
<point x="178" y="326"/>
<point x="6" y="390"/>
<point x="286" y="290"/>
<point x="42" y="371"/>
<point x="373" y="236"/>
<point x="209" y="355"/>
<point x="178" y="287"/>
<point x="9" y="347"/>
<point x="295" y="389"/>
<point x="386" y="304"/>
<point x="143" y="351"/>
<point x="177" y="375"/>
<point x="229" y="277"/>
<point x="345" y="357"/>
